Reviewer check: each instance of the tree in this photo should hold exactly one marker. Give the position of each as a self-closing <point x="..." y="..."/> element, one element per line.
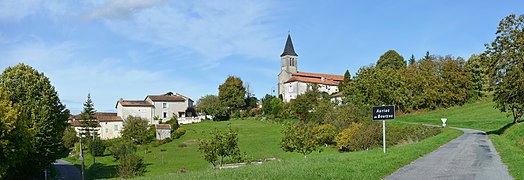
<point x="135" y="130"/>
<point x="345" y="82"/>
<point x="41" y="112"/>
<point x="210" y="104"/>
<point x="505" y="57"/>
<point x="391" y="59"/>
<point x="412" y="60"/>
<point x="305" y="103"/>
<point x="427" y="56"/>
<point x="70" y="137"/>
<point x="299" y="138"/>
<point x="14" y="141"/>
<point x="221" y="145"/>
<point x="89" y="124"/>
<point x="231" y="94"/>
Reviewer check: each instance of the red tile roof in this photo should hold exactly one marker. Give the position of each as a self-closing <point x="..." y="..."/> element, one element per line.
<point x="166" y="98"/>
<point x="312" y="80"/>
<point x="163" y="126"/>
<point x="134" y="103"/>
<point x="100" y="116"/>
<point x="317" y="75"/>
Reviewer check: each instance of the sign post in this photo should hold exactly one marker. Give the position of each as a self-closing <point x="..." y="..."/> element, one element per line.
<point x="383" y="113"/>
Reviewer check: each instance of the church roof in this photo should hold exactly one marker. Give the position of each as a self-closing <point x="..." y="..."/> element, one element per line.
<point x="288" y="49"/>
<point x="318" y="75"/>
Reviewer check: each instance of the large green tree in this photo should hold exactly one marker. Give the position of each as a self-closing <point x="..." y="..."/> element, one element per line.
<point x="391" y="59"/>
<point x="231" y="93"/>
<point x="41" y="112"/>
<point x="505" y="57"/>
<point x="211" y="105"/>
<point x="14" y="134"/>
<point x="135" y="130"/>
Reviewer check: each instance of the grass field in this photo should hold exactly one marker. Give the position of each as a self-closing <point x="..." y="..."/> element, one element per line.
<point x="372" y="164"/>
<point x="478" y="115"/>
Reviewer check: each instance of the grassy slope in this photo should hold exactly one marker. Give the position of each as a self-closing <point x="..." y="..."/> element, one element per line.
<point x="478" y="115"/>
<point x="511" y="154"/>
<point x="372" y="164"/>
<point x="259" y="140"/>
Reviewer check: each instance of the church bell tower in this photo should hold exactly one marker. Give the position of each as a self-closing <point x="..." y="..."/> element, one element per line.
<point x="288" y="64"/>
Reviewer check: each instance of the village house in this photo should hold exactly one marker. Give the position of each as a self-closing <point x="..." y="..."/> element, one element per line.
<point x="292" y="83"/>
<point x="109" y="124"/>
<point x="156" y="108"/>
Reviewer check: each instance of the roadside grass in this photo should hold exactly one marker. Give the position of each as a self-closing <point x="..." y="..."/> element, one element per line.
<point x="478" y="115"/>
<point x="510" y="146"/>
<point x="371" y="164"/>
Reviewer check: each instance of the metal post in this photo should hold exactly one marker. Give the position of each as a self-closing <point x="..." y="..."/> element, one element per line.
<point x="93" y="147"/>
<point x="384" y="134"/>
<point x="82" y="157"/>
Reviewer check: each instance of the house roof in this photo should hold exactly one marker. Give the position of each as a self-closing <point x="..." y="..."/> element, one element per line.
<point x="100" y="116"/>
<point x="163" y="126"/>
<point x="134" y="103"/>
<point x="288" y="49"/>
<point x="312" y="80"/>
<point x="166" y="98"/>
<point x="318" y="75"/>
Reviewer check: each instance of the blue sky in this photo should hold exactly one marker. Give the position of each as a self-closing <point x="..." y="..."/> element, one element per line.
<point x="129" y="49"/>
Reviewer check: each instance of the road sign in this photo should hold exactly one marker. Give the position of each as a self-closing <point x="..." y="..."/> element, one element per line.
<point x="383" y="112"/>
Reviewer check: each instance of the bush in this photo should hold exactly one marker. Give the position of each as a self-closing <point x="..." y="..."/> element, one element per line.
<point x="99" y="147"/>
<point x="131" y="165"/>
<point x="121" y="149"/>
<point x="359" y="137"/>
<point x="173" y="122"/>
<point x="151" y="133"/>
<point x="178" y="133"/>
<point x="325" y="134"/>
<point x="223" y="146"/>
<point x="299" y="138"/>
<point x="166" y="140"/>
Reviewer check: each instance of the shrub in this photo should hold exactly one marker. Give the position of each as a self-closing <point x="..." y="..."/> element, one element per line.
<point x="223" y="145"/>
<point x="359" y="137"/>
<point x="131" y="165"/>
<point x="173" y="122"/>
<point x="325" y="134"/>
<point x="178" y="133"/>
<point x="299" y="138"/>
<point x="99" y="147"/>
<point x="121" y="149"/>
<point x="166" y="140"/>
<point x="69" y="139"/>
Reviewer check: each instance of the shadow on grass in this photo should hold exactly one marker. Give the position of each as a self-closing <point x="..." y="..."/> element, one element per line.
<point x="501" y="130"/>
<point x="102" y="171"/>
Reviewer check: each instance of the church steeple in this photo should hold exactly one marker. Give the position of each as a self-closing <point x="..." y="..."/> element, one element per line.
<point x="288" y="49"/>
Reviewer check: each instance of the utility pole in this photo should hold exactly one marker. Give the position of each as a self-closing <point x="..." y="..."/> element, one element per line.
<point x="82" y="157"/>
<point x="93" y="147"/>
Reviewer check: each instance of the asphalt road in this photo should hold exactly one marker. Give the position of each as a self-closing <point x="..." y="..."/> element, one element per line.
<point x="66" y="170"/>
<point x="470" y="156"/>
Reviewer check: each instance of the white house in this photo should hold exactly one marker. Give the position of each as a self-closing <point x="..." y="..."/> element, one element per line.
<point x="156" y="107"/>
<point x="109" y="124"/>
<point x="292" y="83"/>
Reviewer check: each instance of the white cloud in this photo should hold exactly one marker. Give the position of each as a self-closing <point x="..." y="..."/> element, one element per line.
<point x="122" y="9"/>
<point x="74" y="74"/>
<point x="211" y="29"/>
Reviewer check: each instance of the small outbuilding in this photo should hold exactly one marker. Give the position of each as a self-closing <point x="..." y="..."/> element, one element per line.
<point x="163" y="131"/>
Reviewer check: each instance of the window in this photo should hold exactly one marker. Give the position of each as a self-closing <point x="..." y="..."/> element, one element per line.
<point x="165" y="115"/>
<point x="164" y="105"/>
<point x="107" y="130"/>
<point x="116" y="127"/>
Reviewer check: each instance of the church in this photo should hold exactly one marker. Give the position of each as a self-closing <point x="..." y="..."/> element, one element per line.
<point x="292" y="82"/>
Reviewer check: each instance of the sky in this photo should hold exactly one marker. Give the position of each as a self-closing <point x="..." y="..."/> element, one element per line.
<point x="129" y="49"/>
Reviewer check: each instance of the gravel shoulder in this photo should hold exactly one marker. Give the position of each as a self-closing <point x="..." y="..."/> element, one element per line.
<point x="470" y="156"/>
